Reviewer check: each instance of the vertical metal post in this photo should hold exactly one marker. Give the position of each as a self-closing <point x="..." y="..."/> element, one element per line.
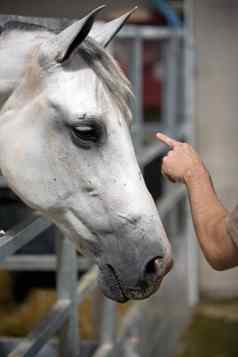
<point x="108" y="329"/>
<point x="109" y="319"/>
<point x="193" y="256"/>
<point x="169" y="114"/>
<point x="170" y="84"/>
<point x="136" y="77"/>
<point x="66" y="289"/>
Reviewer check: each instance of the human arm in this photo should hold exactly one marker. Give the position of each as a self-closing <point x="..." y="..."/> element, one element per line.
<point x="183" y="164"/>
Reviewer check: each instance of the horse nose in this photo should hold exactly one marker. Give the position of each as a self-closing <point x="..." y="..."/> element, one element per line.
<point x="156" y="268"/>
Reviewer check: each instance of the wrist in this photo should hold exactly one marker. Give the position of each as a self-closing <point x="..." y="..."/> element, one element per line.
<point x="196" y="175"/>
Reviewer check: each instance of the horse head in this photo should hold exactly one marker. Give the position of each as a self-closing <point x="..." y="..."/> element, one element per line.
<point x="66" y="151"/>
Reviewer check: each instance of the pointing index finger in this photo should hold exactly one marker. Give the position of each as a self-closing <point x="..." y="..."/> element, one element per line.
<point x="167" y="140"/>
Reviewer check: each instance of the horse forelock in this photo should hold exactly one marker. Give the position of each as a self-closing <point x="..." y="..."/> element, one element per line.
<point x="109" y="73"/>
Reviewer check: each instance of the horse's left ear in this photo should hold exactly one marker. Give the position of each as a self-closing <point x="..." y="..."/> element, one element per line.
<point x="71" y="37"/>
<point x="109" y="30"/>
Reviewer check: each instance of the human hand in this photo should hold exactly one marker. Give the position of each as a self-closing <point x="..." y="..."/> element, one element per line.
<point x="182" y="163"/>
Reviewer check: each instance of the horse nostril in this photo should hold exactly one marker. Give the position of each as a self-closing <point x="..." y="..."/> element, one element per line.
<point x="154" y="268"/>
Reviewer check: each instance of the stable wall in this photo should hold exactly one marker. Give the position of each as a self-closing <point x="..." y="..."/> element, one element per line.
<point x="216" y="111"/>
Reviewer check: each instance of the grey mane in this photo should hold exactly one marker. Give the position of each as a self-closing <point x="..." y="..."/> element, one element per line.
<point x="23" y="26"/>
<point x="99" y="60"/>
<point x="108" y="71"/>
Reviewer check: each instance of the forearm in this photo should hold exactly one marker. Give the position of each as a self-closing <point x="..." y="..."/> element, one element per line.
<point x="209" y="218"/>
<point x="183" y="164"/>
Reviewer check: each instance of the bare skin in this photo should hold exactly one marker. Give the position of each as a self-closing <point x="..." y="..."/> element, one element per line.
<point x="183" y="164"/>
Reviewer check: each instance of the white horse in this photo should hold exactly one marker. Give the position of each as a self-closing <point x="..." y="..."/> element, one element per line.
<point x="66" y="150"/>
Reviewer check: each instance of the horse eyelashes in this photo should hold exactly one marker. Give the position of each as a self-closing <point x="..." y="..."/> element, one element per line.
<point x="88" y="135"/>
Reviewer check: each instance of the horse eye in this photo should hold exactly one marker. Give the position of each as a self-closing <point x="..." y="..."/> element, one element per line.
<point x="86" y="135"/>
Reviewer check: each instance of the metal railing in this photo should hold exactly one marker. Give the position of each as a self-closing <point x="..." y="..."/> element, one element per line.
<point x="62" y="319"/>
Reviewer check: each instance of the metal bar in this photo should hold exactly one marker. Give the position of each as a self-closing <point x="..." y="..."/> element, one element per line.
<point x="58" y="315"/>
<point x="149" y="32"/>
<point x="128" y="330"/>
<point x="128" y="339"/>
<point x="170" y="88"/>
<point x="109" y="320"/>
<point x="150" y="153"/>
<point x="66" y="289"/>
<point x="40" y="263"/>
<point x="192" y="247"/>
<point x="189" y="67"/>
<point x="87" y="284"/>
<point x="136" y="77"/>
<point x="169" y="201"/>
<point x="192" y="261"/>
<point x="170" y="83"/>
<point x="47" y="328"/>
<point x="21" y="234"/>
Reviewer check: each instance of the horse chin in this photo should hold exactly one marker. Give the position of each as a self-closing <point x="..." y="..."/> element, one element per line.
<point x="141" y="294"/>
<point x="117" y="296"/>
<point x="112" y="289"/>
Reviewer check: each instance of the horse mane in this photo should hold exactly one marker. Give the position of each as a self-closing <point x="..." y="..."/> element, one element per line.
<point x="109" y="72"/>
<point x="23" y="26"/>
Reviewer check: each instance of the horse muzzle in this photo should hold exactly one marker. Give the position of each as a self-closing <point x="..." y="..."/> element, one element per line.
<point x="116" y="288"/>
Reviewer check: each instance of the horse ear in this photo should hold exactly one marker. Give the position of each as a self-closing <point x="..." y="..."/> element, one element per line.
<point x="109" y="30"/>
<point x="71" y="37"/>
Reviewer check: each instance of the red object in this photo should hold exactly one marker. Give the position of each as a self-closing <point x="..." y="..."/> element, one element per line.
<point x="152" y="81"/>
<point x="152" y="88"/>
